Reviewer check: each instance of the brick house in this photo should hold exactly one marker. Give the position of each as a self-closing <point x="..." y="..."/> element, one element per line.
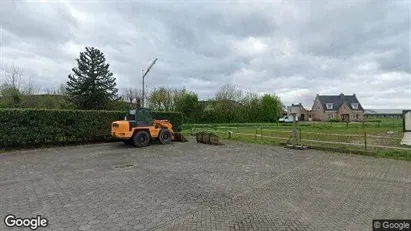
<point x="342" y="107"/>
<point x="302" y="113"/>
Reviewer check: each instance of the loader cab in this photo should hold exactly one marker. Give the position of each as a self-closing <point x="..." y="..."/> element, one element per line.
<point x="141" y="117"/>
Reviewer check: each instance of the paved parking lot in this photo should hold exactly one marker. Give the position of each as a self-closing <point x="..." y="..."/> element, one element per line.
<point x="190" y="186"/>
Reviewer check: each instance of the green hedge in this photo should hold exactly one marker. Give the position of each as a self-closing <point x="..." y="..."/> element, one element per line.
<point x="36" y="127"/>
<point x="373" y="120"/>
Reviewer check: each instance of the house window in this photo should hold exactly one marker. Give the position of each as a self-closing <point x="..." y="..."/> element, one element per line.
<point x="330" y="116"/>
<point x="354" y="106"/>
<point x="329" y="106"/>
<point x="357" y="116"/>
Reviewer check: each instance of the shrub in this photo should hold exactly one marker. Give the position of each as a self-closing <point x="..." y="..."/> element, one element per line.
<point x="35" y="127"/>
<point x="373" y="120"/>
<point x="334" y="120"/>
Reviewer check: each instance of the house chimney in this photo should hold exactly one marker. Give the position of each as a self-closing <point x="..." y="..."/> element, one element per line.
<point x="341" y="95"/>
<point x="353" y="95"/>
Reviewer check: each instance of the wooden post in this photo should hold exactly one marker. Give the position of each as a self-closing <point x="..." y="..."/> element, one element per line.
<point x="300" y="136"/>
<point x="294" y="129"/>
<point x="261" y="132"/>
<point x="365" y="140"/>
<point x="347" y="124"/>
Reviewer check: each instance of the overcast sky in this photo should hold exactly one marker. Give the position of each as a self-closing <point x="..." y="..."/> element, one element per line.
<point x="294" y="49"/>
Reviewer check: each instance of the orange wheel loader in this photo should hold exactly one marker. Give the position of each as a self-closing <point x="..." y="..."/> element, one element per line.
<point x="139" y="129"/>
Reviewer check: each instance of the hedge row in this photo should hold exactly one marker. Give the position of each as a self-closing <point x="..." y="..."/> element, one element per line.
<point x="36" y="127"/>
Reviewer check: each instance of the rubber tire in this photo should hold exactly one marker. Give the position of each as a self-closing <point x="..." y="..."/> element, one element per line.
<point x="141" y="135"/>
<point x="165" y="136"/>
<point x="128" y="142"/>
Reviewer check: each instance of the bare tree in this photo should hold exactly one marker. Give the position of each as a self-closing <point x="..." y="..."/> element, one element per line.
<point x="164" y="98"/>
<point x="132" y="94"/>
<point x="62" y="89"/>
<point x="12" y="75"/>
<point x="153" y="99"/>
<point x="175" y="95"/>
<point x="228" y="92"/>
<point x="30" y="87"/>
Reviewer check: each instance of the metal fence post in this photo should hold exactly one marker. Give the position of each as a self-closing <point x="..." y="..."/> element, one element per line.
<point x="347" y="124"/>
<point x="365" y="140"/>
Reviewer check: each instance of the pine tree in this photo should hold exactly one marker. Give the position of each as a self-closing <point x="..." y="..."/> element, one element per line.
<point x="92" y="86"/>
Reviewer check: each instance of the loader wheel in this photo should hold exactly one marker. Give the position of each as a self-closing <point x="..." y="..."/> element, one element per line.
<point x="141" y="139"/>
<point x="165" y="136"/>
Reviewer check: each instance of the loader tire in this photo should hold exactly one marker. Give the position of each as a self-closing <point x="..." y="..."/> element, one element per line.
<point x="165" y="136"/>
<point x="141" y="139"/>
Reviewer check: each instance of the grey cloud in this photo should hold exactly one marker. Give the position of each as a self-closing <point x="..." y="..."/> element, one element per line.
<point x="348" y="31"/>
<point x="307" y="47"/>
<point x="36" y="22"/>
<point x="396" y="61"/>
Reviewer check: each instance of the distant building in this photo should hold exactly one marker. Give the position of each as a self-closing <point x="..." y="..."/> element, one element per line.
<point x="302" y="113"/>
<point x="342" y="107"/>
<point x="383" y="113"/>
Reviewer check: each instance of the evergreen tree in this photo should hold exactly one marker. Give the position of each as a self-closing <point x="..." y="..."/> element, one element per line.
<point x="92" y="86"/>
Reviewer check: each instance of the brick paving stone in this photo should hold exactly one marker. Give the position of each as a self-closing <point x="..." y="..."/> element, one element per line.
<point x="190" y="186"/>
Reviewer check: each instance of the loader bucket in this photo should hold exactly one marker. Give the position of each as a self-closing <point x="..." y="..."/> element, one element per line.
<point x="178" y="137"/>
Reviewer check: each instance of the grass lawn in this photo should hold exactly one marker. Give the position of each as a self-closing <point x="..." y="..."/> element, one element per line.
<point x="336" y="135"/>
